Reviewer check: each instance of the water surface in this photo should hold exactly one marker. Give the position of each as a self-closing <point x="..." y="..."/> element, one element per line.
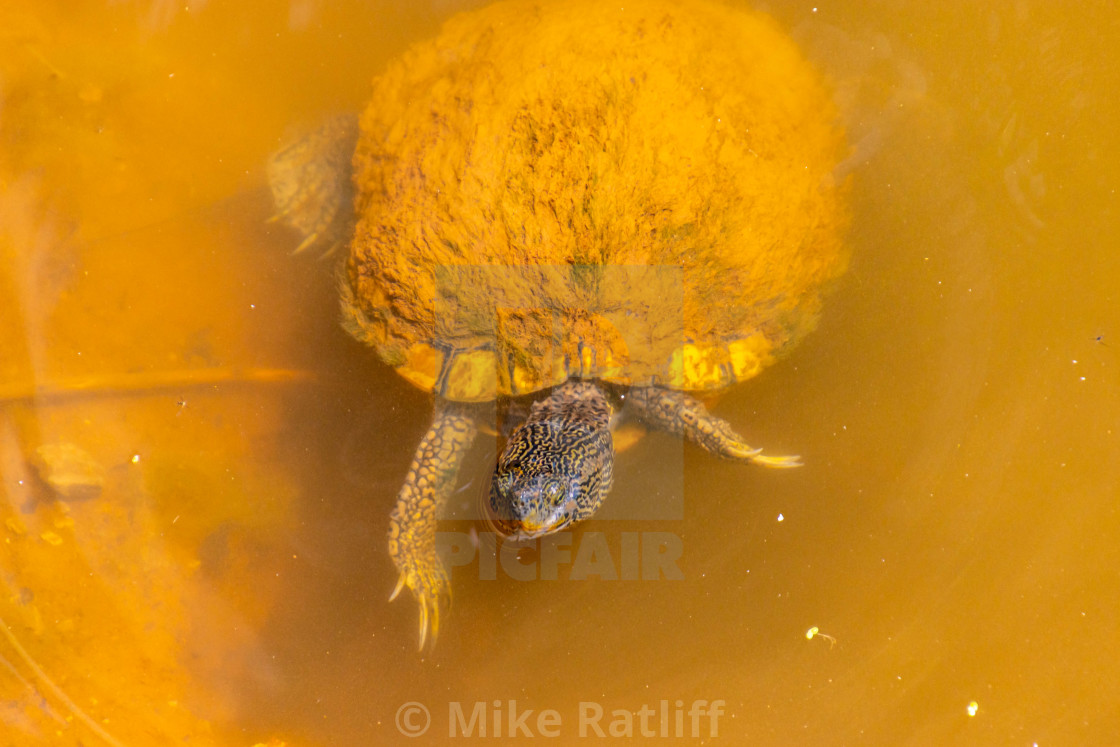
<point x="220" y="574"/>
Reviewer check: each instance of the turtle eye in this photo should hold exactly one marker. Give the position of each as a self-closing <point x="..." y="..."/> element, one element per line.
<point x="553" y="491"/>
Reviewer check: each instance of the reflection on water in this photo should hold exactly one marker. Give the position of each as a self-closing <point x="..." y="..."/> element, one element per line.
<point x="198" y="465"/>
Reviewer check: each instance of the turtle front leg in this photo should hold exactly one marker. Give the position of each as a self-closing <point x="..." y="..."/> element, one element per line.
<point x="684" y="415"/>
<point x="412" y="527"/>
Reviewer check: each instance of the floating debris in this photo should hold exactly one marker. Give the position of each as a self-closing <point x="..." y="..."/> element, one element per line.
<point x="51" y="538"/>
<point x="69" y="471"/>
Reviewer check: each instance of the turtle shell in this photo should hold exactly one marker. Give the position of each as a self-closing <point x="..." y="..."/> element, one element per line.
<point x="641" y="194"/>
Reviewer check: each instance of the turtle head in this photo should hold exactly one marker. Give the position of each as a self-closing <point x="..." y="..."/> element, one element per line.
<point x="551" y="475"/>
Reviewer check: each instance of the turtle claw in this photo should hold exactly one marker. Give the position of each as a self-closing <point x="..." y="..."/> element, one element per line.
<point x="745" y="453"/>
<point x="429" y="586"/>
<point x="400" y="585"/>
<point x="331" y="250"/>
<point x="775" y="462"/>
<point x="308" y="241"/>
<point x="429" y="622"/>
<point x="737" y="451"/>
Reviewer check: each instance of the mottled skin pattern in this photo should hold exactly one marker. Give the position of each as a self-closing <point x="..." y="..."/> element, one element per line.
<point x="558" y="466"/>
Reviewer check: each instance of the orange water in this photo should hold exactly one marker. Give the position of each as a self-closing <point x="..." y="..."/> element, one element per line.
<point x="953" y="536"/>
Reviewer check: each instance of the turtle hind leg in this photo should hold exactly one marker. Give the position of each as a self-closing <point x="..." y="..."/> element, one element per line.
<point x="679" y="413"/>
<point x="412" y="527"/>
<point x="310" y="181"/>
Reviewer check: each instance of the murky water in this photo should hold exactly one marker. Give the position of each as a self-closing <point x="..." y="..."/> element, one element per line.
<point x="198" y="464"/>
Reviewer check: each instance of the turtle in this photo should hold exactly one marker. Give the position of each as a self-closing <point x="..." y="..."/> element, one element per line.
<point x="605" y="208"/>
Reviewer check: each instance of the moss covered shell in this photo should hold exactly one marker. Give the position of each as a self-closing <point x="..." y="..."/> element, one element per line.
<point x="642" y="194"/>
